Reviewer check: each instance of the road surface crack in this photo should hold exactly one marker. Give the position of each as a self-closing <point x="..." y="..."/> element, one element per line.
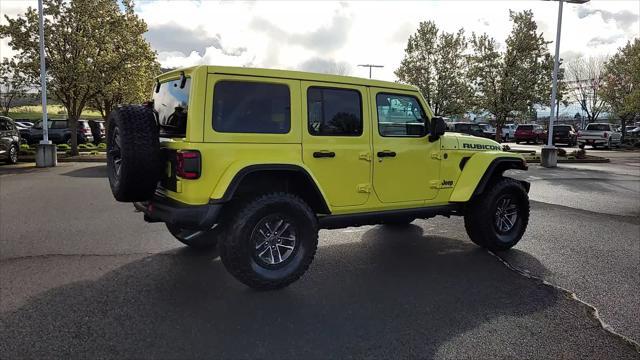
<point x="592" y="310"/>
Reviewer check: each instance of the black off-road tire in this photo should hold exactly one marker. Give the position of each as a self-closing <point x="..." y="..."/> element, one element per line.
<point x="12" y="154"/>
<point x="196" y="239"/>
<point x="481" y="215"/>
<point x="133" y="153"/>
<point x="238" y="250"/>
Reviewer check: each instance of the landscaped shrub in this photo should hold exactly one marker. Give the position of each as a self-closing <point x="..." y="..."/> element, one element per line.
<point x="562" y="152"/>
<point x="82" y="146"/>
<point x="63" y="147"/>
<point x="24" y="147"/>
<point x="90" y="146"/>
<point x="581" y="154"/>
<point x="95" y="152"/>
<point x="102" y="146"/>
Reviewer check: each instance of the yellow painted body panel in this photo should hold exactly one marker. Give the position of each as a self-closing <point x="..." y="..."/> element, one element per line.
<point x="346" y="177"/>
<point x="473" y="171"/>
<point x="422" y="174"/>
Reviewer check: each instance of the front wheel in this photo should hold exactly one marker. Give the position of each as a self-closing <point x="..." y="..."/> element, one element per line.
<point x="270" y="242"/>
<point x="196" y="239"/>
<point x="497" y="219"/>
<point x="12" y="158"/>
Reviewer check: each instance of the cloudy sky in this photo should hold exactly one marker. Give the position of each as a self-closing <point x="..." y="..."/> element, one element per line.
<point x="323" y="35"/>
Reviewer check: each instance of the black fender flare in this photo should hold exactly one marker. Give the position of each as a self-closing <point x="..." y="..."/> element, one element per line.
<point x="251" y="169"/>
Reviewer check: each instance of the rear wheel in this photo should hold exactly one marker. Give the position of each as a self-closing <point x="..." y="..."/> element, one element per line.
<point x="497" y="219"/>
<point x="270" y="242"/>
<point x="196" y="239"/>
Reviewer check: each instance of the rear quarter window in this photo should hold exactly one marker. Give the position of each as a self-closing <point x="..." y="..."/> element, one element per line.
<point x="251" y="107"/>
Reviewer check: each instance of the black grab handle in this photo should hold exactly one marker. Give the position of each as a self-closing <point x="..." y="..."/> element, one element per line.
<point x="324" y="154"/>
<point x="386" y="153"/>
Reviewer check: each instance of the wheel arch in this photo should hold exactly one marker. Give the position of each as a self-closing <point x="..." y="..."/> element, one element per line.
<point x="262" y="178"/>
<point x="490" y="165"/>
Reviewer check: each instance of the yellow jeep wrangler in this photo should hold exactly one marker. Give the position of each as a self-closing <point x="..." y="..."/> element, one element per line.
<point x="255" y="161"/>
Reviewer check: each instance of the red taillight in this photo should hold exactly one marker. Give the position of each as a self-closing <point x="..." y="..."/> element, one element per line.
<point x="606" y="134"/>
<point x="188" y="164"/>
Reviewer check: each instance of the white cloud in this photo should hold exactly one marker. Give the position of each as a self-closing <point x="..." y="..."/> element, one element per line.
<point x="294" y="35"/>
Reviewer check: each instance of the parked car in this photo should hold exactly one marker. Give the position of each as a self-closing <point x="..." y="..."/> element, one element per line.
<point x="59" y="132"/>
<point x="488" y="131"/>
<point x="259" y="166"/>
<point x="564" y="134"/>
<point x="24" y="123"/>
<point x="466" y="128"/>
<point x="632" y="130"/>
<point x="24" y="132"/>
<point x="508" y="131"/>
<point x="529" y="133"/>
<point x="599" y="134"/>
<point x="9" y="140"/>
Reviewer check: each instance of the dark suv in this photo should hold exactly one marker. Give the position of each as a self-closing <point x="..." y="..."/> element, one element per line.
<point x="59" y="132"/>
<point x="564" y="134"/>
<point x="467" y="128"/>
<point x="9" y="140"/>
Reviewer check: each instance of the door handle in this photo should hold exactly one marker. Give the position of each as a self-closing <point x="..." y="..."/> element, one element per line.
<point x="324" y="154"/>
<point x="386" y="153"/>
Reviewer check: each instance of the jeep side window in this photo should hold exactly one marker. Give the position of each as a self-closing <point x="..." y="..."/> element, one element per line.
<point x="334" y="112"/>
<point x="400" y="115"/>
<point x="251" y="107"/>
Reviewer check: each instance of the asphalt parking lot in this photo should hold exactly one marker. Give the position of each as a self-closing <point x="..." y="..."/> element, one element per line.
<point x="82" y="276"/>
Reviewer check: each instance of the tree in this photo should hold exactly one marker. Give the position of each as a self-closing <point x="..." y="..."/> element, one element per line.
<point x="621" y="83"/>
<point x="434" y="62"/>
<point x="509" y="83"/>
<point x="584" y="79"/>
<point x="133" y="82"/>
<point x="88" y="43"/>
<point x="14" y="84"/>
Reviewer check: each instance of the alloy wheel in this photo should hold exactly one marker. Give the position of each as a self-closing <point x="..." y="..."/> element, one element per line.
<point x="13" y="154"/>
<point x="274" y="240"/>
<point x="506" y="214"/>
<point x="116" y="153"/>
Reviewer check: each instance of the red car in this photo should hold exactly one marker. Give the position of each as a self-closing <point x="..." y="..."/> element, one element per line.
<point x="529" y="133"/>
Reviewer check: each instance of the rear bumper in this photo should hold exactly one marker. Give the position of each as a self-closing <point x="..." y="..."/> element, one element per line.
<point x="163" y="209"/>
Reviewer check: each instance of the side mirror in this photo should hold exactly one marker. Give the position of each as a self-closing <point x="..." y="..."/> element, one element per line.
<point x="437" y="127"/>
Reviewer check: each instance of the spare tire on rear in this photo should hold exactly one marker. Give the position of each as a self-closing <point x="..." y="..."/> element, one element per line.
<point x="133" y="153"/>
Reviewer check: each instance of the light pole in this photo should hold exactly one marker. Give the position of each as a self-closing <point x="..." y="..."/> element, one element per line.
<point x="371" y="66"/>
<point x="46" y="155"/>
<point x="549" y="154"/>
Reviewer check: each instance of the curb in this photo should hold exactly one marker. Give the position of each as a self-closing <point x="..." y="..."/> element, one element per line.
<point x="68" y="159"/>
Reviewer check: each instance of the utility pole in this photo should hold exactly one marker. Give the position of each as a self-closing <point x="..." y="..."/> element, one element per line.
<point x="371" y="66"/>
<point x="549" y="153"/>
<point x="46" y="155"/>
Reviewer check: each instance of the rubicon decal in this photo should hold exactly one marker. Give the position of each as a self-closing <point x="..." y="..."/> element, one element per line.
<point x="481" y="147"/>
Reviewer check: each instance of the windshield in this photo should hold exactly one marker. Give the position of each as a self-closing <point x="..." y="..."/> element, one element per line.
<point x="598" y="127"/>
<point x="525" y="127"/>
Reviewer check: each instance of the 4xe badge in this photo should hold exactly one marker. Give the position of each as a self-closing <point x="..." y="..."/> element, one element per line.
<point x="480" y="146"/>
